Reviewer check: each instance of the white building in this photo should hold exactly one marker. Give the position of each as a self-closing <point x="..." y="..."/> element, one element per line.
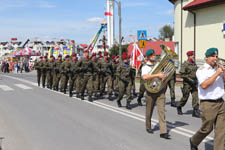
<point x="199" y="25"/>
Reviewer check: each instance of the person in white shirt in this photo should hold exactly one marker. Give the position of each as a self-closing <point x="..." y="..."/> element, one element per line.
<point x="212" y="106"/>
<point x="154" y="98"/>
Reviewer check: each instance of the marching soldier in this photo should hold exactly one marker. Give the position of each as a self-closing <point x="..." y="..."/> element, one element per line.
<point x="125" y="84"/>
<point x="73" y="74"/>
<point x="154" y="98"/>
<point x="57" y="74"/>
<point x="142" y="86"/>
<point x="115" y="79"/>
<point x="65" y="68"/>
<point x="188" y="73"/>
<point x="37" y="66"/>
<point x="44" y="66"/>
<point x="86" y="67"/>
<point x="172" y="83"/>
<point x="50" y="66"/>
<point x="106" y="71"/>
<point x="95" y="74"/>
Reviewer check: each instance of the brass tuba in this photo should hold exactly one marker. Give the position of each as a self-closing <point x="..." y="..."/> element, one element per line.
<point x="166" y="66"/>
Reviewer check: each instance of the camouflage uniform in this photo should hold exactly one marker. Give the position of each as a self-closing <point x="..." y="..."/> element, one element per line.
<point x="115" y="79"/>
<point x="125" y="83"/>
<point x="172" y="83"/>
<point x="106" y="69"/>
<point x="142" y="86"/>
<point x="73" y="77"/>
<point x="57" y="75"/>
<point x="37" y="66"/>
<point x="44" y="66"/>
<point x="65" y="70"/>
<point x="50" y="66"/>
<point x="86" y="68"/>
<point x="188" y="73"/>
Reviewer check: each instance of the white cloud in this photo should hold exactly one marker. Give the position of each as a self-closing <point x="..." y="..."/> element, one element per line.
<point x="95" y="19"/>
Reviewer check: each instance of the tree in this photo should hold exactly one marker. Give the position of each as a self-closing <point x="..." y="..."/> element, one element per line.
<point x="166" y="32"/>
<point x="115" y="49"/>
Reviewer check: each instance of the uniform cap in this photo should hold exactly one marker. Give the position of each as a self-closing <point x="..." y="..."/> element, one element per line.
<point x="124" y="56"/>
<point x="149" y="52"/>
<point x="59" y="55"/>
<point x="67" y="56"/>
<point x="74" y="55"/>
<point x="190" y="53"/>
<point x="106" y="53"/>
<point x="99" y="53"/>
<point x="45" y="57"/>
<point x="51" y="56"/>
<point x="113" y="56"/>
<point x="93" y="54"/>
<point x="40" y="57"/>
<point x="211" y="51"/>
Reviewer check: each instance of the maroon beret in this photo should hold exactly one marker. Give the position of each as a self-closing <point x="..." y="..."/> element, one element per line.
<point x="190" y="53"/>
<point x="74" y="55"/>
<point x="106" y="53"/>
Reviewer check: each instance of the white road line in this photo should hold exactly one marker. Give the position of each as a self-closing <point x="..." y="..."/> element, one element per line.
<point x="178" y="130"/>
<point x="22" y="86"/>
<point x="6" y="88"/>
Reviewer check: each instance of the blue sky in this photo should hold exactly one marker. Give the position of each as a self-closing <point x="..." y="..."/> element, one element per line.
<point x="78" y="19"/>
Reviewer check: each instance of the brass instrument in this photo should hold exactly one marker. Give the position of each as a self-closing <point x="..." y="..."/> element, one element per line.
<point x="165" y="66"/>
<point x="221" y="62"/>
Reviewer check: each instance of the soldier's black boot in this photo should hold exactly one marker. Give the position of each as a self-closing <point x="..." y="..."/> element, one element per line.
<point x="110" y="97"/>
<point x="64" y="91"/>
<point x="128" y="106"/>
<point x="192" y="146"/>
<point x="119" y="103"/>
<point x="56" y="88"/>
<point x="90" y="99"/>
<point x="50" y="87"/>
<point x="70" y="94"/>
<point x="179" y="110"/>
<point x="196" y="113"/>
<point x="38" y="84"/>
<point x="43" y="86"/>
<point x="173" y="103"/>
<point x="134" y="93"/>
<point x="61" y="90"/>
<point x="139" y="101"/>
<point x="82" y="96"/>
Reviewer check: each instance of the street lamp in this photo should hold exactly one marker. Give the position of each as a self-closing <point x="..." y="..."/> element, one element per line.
<point x="120" y="32"/>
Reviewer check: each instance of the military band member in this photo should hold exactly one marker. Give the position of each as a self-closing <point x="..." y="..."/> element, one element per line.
<point x="73" y="74"/>
<point x="188" y="73"/>
<point x="212" y="106"/>
<point x="57" y="73"/>
<point x="124" y="74"/>
<point x="37" y="66"/>
<point x="154" y="98"/>
<point x="172" y="84"/>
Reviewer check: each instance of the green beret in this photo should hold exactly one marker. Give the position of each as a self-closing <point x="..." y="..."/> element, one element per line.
<point x="211" y="52"/>
<point x="149" y="52"/>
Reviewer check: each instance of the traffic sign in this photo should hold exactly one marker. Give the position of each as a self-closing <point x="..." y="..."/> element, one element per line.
<point x="142" y="43"/>
<point x="142" y="35"/>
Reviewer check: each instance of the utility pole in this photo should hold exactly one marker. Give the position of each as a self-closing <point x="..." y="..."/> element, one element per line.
<point x="120" y="32"/>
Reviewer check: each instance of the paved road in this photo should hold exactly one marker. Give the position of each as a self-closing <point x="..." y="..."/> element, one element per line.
<point x="33" y="118"/>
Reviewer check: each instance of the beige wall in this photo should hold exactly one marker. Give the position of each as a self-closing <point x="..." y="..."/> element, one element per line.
<point x="209" y="24"/>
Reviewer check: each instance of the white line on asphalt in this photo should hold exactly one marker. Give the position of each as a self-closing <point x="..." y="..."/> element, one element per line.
<point x="23" y="86"/>
<point x="139" y="117"/>
<point x="6" y="88"/>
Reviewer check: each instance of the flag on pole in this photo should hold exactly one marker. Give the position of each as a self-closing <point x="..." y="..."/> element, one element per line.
<point x="108" y="14"/>
<point x="137" y="56"/>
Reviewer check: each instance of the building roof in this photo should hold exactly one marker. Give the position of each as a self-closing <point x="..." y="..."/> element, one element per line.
<point x="172" y="1"/>
<point x="198" y="4"/>
<point x="152" y="45"/>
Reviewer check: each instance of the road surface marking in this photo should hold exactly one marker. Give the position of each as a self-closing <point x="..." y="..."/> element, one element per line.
<point x="178" y="130"/>
<point x="22" y="86"/>
<point x="6" y="88"/>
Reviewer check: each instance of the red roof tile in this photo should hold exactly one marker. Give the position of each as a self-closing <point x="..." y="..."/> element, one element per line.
<point x="152" y="45"/>
<point x="197" y="4"/>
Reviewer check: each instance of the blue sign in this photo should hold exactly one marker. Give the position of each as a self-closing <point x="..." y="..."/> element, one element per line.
<point x="224" y="27"/>
<point x="142" y="35"/>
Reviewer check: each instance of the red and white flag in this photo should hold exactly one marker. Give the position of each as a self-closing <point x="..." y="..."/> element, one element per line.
<point x="137" y="56"/>
<point x="108" y="14"/>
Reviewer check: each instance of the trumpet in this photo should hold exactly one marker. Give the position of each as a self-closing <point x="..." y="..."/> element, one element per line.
<point x="221" y="63"/>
